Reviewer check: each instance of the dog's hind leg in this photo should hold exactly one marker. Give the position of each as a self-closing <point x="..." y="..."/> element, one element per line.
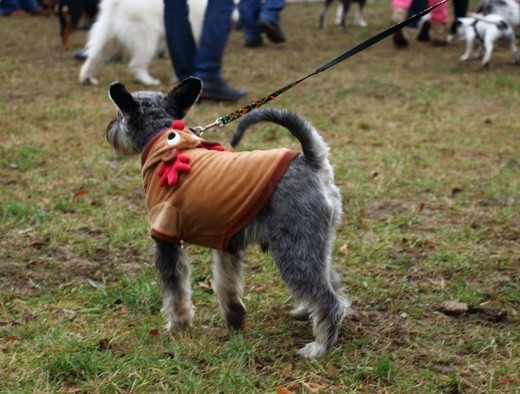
<point x="323" y="13"/>
<point x="341" y="14"/>
<point x="173" y="265"/>
<point x="514" y="48"/>
<point x="142" y="49"/>
<point x="488" y="49"/>
<point x="301" y="258"/>
<point x="228" y="286"/>
<point x="359" y="14"/>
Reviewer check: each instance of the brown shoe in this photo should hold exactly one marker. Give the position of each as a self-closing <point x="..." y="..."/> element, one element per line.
<point x="439" y="33"/>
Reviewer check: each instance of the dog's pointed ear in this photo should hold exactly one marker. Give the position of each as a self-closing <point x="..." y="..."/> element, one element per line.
<point x="184" y="95"/>
<point x="123" y="99"/>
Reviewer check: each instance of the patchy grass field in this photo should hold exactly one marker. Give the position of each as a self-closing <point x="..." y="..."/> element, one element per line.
<point x="427" y="155"/>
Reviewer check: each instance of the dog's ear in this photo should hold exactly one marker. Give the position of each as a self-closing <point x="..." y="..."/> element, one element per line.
<point x="123" y="99"/>
<point x="184" y="95"/>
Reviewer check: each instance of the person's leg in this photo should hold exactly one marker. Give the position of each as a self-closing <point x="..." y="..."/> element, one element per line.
<point x="179" y="38"/>
<point x="439" y="22"/>
<point x="270" y="20"/>
<point x="460" y="8"/>
<point x="399" y="14"/>
<point x="213" y="40"/>
<point x="208" y="61"/>
<point x="8" y="6"/>
<point x="29" y="5"/>
<point x="271" y="10"/>
<point x="249" y="16"/>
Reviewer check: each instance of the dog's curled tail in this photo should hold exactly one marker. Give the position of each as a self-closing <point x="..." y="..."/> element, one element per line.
<point x="314" y="147"/>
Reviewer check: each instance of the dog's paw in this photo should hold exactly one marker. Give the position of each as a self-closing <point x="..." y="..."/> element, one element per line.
<point x="180" y="321"/>
<point x="147" y="80"/>
<point x="312" y="350"/>
<point x="300" y="312"/>
<point x="89" y="81"/>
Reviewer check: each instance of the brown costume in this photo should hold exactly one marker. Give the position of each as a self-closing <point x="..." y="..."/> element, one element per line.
<point x="199" y="193"/>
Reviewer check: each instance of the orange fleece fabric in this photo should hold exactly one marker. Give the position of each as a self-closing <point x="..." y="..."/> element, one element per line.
<point x="218" y="196"/>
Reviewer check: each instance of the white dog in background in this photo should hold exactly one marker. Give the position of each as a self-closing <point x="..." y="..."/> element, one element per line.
<point x="486" y="29"/>
<point x="135" y="27"/>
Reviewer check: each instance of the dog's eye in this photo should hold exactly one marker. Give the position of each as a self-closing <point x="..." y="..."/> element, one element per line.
<point x="173" y="138"/>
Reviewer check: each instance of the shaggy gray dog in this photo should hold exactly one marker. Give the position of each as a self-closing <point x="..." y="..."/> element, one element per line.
<point x="296" y="223"/>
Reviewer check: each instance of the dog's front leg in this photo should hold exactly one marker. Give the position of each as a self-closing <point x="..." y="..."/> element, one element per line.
<point x="228" y="286"/>
<point x="173" y="265"/>
<point x="469" y="48"/>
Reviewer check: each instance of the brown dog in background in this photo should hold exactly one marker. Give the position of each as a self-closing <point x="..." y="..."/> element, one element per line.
<point x="70" y="12"/>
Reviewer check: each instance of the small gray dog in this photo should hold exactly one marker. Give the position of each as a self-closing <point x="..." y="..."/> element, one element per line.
<point x="299" y="209"/>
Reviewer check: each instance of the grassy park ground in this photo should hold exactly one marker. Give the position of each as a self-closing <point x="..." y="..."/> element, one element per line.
<point x="426" y="152"/>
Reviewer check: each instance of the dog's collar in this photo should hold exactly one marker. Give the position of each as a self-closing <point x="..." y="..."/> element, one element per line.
<point x="150" y="142"/>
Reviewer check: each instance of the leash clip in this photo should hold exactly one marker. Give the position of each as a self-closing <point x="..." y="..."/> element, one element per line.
<point x="199" y="130"/>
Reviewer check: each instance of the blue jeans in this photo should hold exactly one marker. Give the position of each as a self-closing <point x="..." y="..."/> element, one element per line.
<point x="8" y="6"/>
<point x="205" y="61"/>
<point x="253" y="11"/>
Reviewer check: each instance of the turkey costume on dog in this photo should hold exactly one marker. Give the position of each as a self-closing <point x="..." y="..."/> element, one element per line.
<point x="198" y="192"/>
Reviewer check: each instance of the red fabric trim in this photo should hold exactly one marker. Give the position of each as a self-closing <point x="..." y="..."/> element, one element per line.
<point x="262" y="199"/>
<point x="166" y="238"/>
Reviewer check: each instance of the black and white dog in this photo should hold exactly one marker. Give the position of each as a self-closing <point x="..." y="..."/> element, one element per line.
<point x="342" y="11"/>
<point x="509" y="9"/>
<point x="296" y="222"/>
<point x="486" y="30"/>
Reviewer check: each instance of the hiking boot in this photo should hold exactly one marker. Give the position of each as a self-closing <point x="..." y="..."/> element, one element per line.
<point x="272" y="31"/>
<point x="218" y="90"/>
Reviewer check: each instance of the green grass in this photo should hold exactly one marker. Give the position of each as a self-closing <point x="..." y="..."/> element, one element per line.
<point x="426" y="154"/>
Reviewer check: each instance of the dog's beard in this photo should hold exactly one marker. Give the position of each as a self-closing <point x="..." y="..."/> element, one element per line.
<point x="119" y="139"/>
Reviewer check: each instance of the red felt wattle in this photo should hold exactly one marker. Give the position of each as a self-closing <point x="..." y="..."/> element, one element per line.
<point x="178" y="125"/>
<point x="169" y="171"/>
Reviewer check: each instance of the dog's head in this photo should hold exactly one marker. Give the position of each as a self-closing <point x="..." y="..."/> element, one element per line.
<point x="141" y="114"/>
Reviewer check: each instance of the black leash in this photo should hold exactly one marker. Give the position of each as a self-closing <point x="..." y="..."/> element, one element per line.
<point x="220" y="122"/>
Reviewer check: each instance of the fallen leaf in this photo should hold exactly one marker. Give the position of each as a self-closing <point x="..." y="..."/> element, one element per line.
<point x="79" y="192"/>
<point x="295" y="385"/>
<point x="454" y="308"/>
<point x="344" y="249"/>
<point x="507" y="379"/>
<point x="283" y="390"/>
<point x="154" y="332"/>
<point x="260" y="288"/>
<point x="313" y="387"/>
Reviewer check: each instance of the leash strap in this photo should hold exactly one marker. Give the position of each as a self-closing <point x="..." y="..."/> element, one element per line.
<point x="349" y="53"/>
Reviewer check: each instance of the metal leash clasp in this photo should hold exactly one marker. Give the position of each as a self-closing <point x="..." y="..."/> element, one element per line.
<point x="199" y="130"/>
